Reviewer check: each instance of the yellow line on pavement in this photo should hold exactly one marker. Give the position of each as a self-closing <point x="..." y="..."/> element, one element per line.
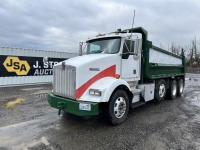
<point x="15" y="102"/>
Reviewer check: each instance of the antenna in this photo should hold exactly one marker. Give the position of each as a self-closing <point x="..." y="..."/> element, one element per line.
<point x="132" y="31"/>
<point x="133" y="22"/>
<point x="115" y="19"/>
<point x="133" y="19"/>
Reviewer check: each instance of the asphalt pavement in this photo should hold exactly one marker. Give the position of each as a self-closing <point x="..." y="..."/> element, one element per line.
<point x="27" y="122"/>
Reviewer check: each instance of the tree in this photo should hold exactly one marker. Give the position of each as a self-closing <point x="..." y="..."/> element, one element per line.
<point x="194" y="55"/>
<point x="175" y="49"/>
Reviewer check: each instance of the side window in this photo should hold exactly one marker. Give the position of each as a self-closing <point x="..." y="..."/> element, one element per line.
<point x="128" y="46"/>
<point x="125" y="47"/>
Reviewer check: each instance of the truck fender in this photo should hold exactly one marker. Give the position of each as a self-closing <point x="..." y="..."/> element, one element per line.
<point x="110" y="89"/>
<point x="106" y="86"/>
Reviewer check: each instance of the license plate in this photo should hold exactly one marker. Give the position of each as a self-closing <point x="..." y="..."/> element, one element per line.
<point x="86" y="107"/>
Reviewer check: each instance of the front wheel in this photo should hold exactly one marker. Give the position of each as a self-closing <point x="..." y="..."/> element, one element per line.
<point x="118" y="107"/>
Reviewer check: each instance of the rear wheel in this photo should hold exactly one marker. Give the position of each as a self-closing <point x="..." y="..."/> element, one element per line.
<point x="180" y="87"/>
<point x="172" y="91"/>
<point x="160" y="90"/>
<point x="118" y="107"/>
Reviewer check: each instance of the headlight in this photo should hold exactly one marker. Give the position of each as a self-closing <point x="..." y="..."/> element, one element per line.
<point x="95" y="92"/>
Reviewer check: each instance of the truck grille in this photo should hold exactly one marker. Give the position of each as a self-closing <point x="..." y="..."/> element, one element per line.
<point x="64" y="81"/>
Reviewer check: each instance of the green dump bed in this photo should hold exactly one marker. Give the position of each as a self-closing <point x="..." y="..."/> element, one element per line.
<point x="158" y="63"/>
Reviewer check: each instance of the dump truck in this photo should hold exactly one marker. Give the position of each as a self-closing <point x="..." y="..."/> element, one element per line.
<point x="118" y="71"/>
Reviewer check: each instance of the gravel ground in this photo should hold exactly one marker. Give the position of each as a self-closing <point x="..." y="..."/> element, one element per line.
<point x="32" y="124"/>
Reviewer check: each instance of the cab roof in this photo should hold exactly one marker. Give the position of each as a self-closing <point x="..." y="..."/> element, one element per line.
<point x="123" y="33"/>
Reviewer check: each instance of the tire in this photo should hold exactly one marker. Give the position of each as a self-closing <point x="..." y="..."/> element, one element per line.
<point x="180" y="87"/>
<point x="160" y="90"/>
<point x="172" y="91"/>
<point x="118" y="107"/>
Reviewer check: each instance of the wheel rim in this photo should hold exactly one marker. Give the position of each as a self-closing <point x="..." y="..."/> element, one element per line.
<point x="162" y="90"/>
<point x="174" y="89"/>
<point x="119" y="107"/>
<point x="181" y="87"/>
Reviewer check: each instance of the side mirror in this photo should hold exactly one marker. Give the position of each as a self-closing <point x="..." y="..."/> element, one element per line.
<point x="138" y="46"/>
<point x="80" y="48"/>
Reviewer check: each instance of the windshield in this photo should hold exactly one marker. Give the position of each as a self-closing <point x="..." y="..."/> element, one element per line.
<point x="104" y="46"/>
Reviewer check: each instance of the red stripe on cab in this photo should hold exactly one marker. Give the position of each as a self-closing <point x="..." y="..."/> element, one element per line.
<point x="108" y="72"/>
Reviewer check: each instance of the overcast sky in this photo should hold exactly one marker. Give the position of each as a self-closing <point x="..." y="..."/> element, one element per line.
<point x="61" y="24"/>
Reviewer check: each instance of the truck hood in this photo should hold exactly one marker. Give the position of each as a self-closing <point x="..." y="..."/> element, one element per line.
<point x="89" y="59"/>
<point x="89" y="69"/>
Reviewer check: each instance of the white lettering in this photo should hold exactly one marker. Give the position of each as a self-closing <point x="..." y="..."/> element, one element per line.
<point x="51" y="64"/>
<point x="46" y="65"/>
<point x="43" y="72"/>
<point x="36" y="72"/>
<point x="36" y="65"/>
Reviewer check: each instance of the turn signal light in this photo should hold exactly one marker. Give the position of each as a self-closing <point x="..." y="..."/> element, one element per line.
<point x="117" y="76"/>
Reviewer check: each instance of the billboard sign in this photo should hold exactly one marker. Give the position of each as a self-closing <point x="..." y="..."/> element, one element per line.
<point x="26" y="66"/>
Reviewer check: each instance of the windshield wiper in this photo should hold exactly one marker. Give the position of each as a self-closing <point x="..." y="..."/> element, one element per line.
<point x="99" y="51"/>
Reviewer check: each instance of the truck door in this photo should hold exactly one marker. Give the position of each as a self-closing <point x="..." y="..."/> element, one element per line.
<point x="130" y="61"/>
